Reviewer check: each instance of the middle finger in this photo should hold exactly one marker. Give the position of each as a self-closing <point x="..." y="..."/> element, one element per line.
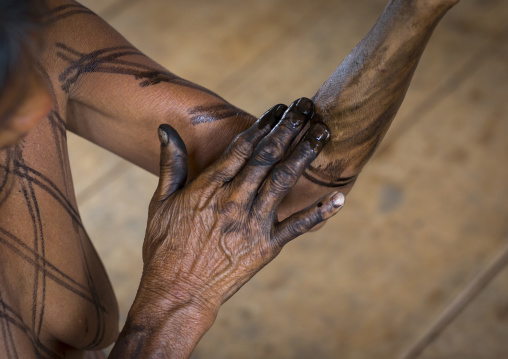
<point x="273" y="147"/>
<point x="285" y="175"/>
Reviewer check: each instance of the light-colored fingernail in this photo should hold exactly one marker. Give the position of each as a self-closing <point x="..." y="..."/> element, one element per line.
<point x="338" y="200"/>
<point x="163" y="137"/>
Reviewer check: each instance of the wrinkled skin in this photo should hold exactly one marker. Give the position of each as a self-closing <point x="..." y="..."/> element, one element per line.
<point x="119" y="108"/>
<point x="206" y="239"/>
<point x="362" y="96"/>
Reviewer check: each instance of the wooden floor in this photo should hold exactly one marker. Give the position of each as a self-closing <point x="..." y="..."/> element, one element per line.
<point x="429" y="212"/>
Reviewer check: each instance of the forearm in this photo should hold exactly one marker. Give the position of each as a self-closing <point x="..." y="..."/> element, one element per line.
<point x="363" y="95"/>
<point x="360" y="99"/>
<point x="120" y="97"/>
<point x="113" y="95"/>
<point x="206" y="123"/>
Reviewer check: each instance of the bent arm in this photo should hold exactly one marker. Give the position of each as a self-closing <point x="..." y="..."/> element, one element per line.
<point x="118" y="96"/>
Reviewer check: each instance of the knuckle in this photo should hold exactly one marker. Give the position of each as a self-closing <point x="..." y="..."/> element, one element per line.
<point x="230" y="209"/>
<point x="242" y="146"/>
<point x="284" y="177"/>
<point x="318" y="216"/>
<point x="299" y="227"/>
<point x="270" y="152"/>
<point x="305" y="152"/>
<point x="277" y="187"/>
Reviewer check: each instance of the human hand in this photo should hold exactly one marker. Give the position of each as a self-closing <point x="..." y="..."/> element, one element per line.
<point x="205" y="240"/>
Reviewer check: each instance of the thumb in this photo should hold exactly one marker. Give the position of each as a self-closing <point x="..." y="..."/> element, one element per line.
<point x="173" y="163"/>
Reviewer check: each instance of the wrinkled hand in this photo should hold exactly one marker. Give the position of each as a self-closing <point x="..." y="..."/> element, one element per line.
<point x="206" y="239"/>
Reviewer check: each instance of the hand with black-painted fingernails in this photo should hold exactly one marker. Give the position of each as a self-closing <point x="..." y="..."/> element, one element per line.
<point x="206" y="239"/>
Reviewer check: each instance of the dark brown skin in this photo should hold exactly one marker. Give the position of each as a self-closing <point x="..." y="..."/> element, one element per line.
<point x="360" y="99"/>
<point x="205" y="240"/>
<point x="55" y="297"/>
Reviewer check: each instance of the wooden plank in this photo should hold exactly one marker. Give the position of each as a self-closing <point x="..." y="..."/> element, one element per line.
<point x="206" y="41"/>
<point x="425" y="215"/>
<point x="480" y="331"/>
<point x="467" y="300"/>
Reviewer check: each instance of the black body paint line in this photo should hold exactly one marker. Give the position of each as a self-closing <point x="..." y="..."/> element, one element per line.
<point x="58" y="126"/>
<point x="17" y="172"/>
<point x="14" y="322"/>
<point x="6" y="330"/>
<point x="316" y="176"/>
<point x="7" y="180"/>
<point x="112" y="60"/>
<point x="19" y="248"/>
<point x="210" y="113"/>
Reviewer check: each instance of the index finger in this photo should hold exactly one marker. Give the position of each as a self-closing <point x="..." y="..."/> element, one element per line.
<point x="236" y="155"/>
<point x="273" y="148"/>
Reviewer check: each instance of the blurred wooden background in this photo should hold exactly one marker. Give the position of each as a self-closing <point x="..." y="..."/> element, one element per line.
<point x="426" y="215"/>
